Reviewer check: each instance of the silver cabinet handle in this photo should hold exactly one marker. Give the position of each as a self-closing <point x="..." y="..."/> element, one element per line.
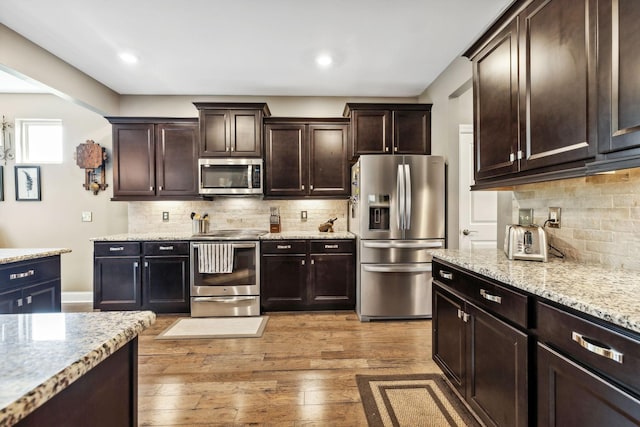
<point x="283" y="246"/>
<point x="311" y="187"/>
<point x="302" y="187"/>
<point x="331" y="246"/>
<point x="386" y="149"/>
<point x="462" y="315"/>
<point x="146" y="264"/>
<point x="116" y="248"/>
<point x="493" y="298"/>
<point x="160" y="188"/>
<point x="19" y="302"/>
<point x="29" y="299"/>
<point x="150" y="188"/>
<point x="313" y="261"/>
<point x="599" y="349"/>
<point x="135" y="264"/>
<point x="166" y="248"/>
<point x="395" y="149"/>
<point x="446" y="274"/>
<point x="22" y="275"/>
<point x="303" y="262"/>
<point x="233" y="148"/>
<point x="512" y="157"/>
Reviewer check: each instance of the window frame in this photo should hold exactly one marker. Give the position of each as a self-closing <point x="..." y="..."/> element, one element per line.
<point x="22" y="142"/>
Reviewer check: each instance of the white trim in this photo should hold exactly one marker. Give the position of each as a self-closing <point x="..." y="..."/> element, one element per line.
<point x="77" y="297"/>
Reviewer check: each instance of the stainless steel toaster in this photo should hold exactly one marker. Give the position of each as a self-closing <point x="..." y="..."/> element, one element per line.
<point x="526" y="242"/>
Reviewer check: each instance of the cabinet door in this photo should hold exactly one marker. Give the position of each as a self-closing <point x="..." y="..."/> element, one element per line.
<point x="283" y="285"/>
<point x="569" y="395"/>
<point x="215" y="133"/>
<point x="116" y="283"/>
<point x="166" y="284"/>
<point x="618" y="83"/>
<point x="449" y="337"/>
<point x="331" y="282"/>
<point x="286" y="171"/>
<point x="176" y="159"/>
<point x="411" y="132"/>
<point x="42" y="298"/>
<point x="497" y="361"/>
<point x="133" y="164"/>
<point x="557" y="83"/>
<point x="246" y="133"/>
<point x="328" y="165"/>
<point x="9" y="302"/>
<point x="371" y="131"/>
<point x="495" y="81"/>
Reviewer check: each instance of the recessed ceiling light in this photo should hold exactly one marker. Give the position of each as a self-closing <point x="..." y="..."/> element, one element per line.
<point x="324" y="60"/>
<point x="128" y="57"/>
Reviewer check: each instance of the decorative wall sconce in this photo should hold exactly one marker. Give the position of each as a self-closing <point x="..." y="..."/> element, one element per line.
<point x="5" y="141"/>
<point x="90" y="156"/>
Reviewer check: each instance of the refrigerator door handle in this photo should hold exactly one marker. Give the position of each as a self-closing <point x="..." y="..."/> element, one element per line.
<point x="397" y="269"/>
<point x="400" y="188"/>
<point x="407" y="195"/>
<point x="402" y="245"/>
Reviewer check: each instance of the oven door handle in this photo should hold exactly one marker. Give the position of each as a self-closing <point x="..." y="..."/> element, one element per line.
<point x="234" y="245"/>
<point x="396" y="269"/>
<point x="224" y="300"/>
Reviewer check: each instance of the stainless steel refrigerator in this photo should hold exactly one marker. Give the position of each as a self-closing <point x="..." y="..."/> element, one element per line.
<point x="397" y="210"/>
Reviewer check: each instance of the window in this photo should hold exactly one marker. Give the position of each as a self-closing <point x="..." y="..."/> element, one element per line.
<point x="38" y="141"/>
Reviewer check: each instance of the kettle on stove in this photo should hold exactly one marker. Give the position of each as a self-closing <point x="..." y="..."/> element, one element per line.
<point x="526" y="242"/>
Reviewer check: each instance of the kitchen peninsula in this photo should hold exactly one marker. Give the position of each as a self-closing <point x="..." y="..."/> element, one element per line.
<point x="546" y="343"/>
<point x="72" y="369"/>
<point x="30" y="280"/>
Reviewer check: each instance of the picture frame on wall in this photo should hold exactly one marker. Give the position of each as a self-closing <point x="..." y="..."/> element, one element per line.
<point x="27" y="183"/>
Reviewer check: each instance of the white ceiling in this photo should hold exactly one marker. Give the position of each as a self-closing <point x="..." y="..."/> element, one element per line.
<point x="250" y="47"/>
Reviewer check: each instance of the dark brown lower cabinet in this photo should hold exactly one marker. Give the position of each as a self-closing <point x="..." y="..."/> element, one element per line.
<point x="31" y="286"/>
<point x="141" y="275"/>
<point x="570" y="395"/>
<point x="484" y="358"/>
<point x="307" y="275"/>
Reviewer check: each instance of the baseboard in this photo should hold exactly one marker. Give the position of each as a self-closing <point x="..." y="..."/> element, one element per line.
<point x="77" y="297"/>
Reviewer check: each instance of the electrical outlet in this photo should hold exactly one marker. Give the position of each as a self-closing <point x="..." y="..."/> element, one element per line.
<point x="86" y="216"/>
<point x="554" y="217"/>
<point x="165" y="216"/>
<point x="303" y="215"/>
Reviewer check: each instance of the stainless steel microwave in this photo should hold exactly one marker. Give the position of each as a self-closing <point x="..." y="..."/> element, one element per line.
<point x="233" y="176"/>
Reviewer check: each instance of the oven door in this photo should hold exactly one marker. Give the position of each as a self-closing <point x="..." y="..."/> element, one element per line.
<point x="244" y="279"/>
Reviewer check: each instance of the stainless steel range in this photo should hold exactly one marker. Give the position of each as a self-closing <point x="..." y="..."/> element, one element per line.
<point x="225" y="273"/>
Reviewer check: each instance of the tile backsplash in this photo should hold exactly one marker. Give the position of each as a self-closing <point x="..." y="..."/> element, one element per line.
<point x="600" y="221"/>
<point x="236" y="212"/>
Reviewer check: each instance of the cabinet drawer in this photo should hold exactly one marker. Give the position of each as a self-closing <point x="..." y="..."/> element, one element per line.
<point x="166" y="248"/>
<point x="284" y="247"/>
<point x="116" y="248"/>
<point x="498" y="299"/>
<point x="582" y="340"/>
<point x="332" y="246"/>
<point x="32" y="271"/>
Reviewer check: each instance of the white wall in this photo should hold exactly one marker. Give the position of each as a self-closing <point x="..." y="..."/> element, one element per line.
<point x="56" y="220"/>
<point x="452" y="99"/>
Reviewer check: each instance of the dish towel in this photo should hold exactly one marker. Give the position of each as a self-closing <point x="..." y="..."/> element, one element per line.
<point x="215" y="257"/>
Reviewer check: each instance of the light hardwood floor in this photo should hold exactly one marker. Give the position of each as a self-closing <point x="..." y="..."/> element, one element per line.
<point x="301" y="372"/>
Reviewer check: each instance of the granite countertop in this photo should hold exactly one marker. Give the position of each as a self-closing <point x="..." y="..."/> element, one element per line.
<point x="189" y="236"/>
<point x="44" y="353"/>
<point x="605" y="293"/>
<point x="8" y="255"/>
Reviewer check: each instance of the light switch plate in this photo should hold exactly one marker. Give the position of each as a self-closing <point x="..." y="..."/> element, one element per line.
<point x="165" y="216"/>
<point x="303" y="215"/>
<point x="86" y="216"/>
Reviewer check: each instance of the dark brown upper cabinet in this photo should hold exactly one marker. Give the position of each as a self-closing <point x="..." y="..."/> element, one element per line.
<point x="535" y="104"/>
<point x="389" y="128"/>
<point x="306" y="157"/>
<point x="618" y="85"/>
<point x="231" y="129"/>
<point x="154" y="158"/>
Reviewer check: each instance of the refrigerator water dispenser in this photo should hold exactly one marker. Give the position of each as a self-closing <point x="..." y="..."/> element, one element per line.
<point x="378" y="211"/>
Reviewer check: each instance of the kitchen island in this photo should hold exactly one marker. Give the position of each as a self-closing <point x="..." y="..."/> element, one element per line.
<point x="71" y="369"/>
<point x="533" y="343"/>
